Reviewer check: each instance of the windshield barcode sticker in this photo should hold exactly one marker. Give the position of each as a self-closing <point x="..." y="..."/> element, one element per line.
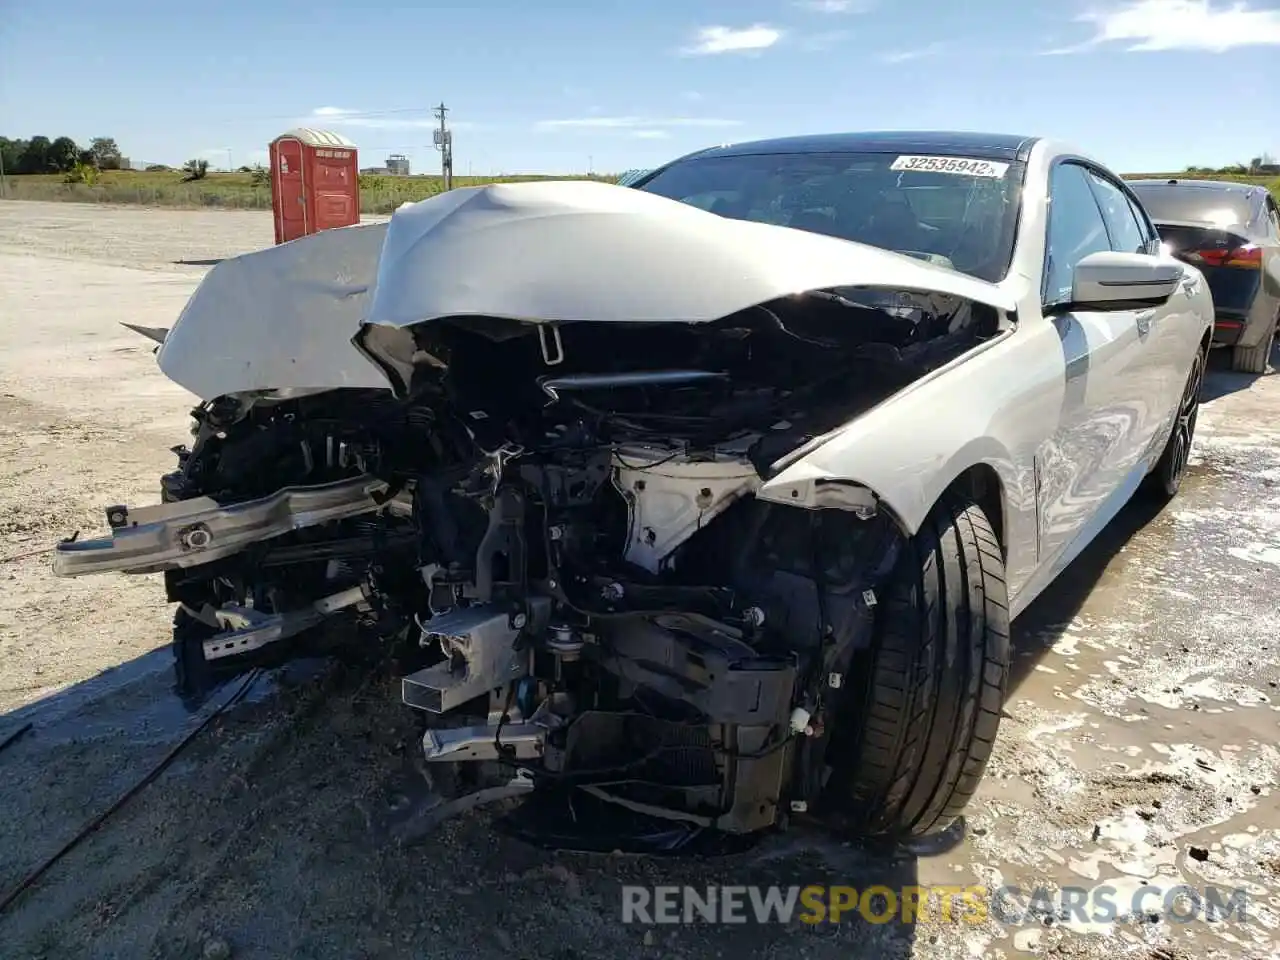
<point x="962" y="166"/>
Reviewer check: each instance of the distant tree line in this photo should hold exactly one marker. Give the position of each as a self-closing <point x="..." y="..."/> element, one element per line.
<point x="1261" y="164"/>
<point x="59" y="155"/>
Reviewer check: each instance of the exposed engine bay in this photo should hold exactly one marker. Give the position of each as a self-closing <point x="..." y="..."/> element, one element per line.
<point x="561" y="516"/>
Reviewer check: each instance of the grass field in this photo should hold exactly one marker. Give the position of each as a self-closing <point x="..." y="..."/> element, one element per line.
<point x="235" y="191"/>
<point x="378" y="194"/>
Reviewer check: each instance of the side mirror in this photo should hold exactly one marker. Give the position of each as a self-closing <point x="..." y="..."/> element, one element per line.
<point x="1108" y="280"/>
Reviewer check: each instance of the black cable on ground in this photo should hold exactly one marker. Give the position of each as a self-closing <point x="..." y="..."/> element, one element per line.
<point x="30" y="879"/>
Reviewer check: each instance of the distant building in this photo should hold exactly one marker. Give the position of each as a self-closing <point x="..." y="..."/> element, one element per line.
<point x="398" y="165"/>
<point x="127" y="163"/>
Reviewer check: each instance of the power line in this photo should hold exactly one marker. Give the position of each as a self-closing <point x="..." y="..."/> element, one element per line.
<point x="344" y="115"/>
<point x="443" y="140"/>
<point x="311" y="117"/>
<point x="373" y="113"/>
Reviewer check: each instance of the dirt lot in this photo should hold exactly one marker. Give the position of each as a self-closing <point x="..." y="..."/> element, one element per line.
<point x="1140" y="743"/>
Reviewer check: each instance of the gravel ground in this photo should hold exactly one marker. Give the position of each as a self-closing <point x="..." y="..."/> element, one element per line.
<point x="1140" y="743"/>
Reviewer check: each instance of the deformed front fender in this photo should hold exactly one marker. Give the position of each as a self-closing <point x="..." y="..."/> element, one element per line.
<point x="901" y="455"/>
<point x="279" y="319"/>
<point x="902" y="476"/>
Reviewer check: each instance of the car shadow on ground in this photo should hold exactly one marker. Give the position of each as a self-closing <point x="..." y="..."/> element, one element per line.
<point x="303" y="787"/>
<point x="305" y="784"/>
<point x="1043" y="623"/>
<point x="1225" y="380"/>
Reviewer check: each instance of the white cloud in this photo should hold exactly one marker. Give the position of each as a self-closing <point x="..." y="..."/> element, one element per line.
<point x="634" y="123"/>
<point x="918" y="53"/>
<point x="650" y="134"/>
<point x="836" y="6"/>
<point x="693" y="96"/>
<point x="716" y="39"/>
<point x="1157" y="25"/>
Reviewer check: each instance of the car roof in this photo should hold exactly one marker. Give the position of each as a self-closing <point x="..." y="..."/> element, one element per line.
<point x="983" y="146"/>
<point x="1223" y="186"/>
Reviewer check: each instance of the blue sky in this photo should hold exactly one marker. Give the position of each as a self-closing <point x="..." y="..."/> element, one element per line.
<point x="561" y="86"/>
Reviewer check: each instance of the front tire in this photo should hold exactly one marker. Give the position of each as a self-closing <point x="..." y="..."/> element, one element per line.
<point x="912" y="745"/>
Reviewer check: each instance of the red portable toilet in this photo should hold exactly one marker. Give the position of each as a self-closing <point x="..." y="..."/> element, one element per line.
<point x="315" y="182"/>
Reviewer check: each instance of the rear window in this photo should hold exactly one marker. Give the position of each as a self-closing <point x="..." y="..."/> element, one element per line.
<point x="1169" y="201"/>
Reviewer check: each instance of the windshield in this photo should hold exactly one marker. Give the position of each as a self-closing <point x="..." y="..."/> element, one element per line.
<point x="964" y="217"/>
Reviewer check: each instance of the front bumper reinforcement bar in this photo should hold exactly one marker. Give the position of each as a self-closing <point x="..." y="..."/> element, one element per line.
<point x="187" y="533"/>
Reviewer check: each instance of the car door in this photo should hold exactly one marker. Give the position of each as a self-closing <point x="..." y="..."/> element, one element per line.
<point x="1168" y="333"/>
<point x="1085" y="464"/>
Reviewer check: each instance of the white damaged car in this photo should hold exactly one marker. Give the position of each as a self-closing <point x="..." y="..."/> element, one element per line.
<point x="707" y="500"/>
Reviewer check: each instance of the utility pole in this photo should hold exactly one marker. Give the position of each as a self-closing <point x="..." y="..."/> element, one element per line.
<point x="443" y="141"/>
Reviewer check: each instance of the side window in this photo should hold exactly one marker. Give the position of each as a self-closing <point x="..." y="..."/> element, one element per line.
<point x="1075" y="230"/>
<point x="1122" y="224"/>
<point x="1149" y="232"/>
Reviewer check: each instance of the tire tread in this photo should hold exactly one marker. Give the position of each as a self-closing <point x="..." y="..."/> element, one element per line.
<point x="938" y="671"/>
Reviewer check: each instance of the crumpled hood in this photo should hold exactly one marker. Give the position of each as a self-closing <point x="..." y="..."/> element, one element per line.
<point x="582" y="250"/>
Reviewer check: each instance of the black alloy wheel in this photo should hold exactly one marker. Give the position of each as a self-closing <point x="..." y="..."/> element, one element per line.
<point x="1167" y="477"/>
